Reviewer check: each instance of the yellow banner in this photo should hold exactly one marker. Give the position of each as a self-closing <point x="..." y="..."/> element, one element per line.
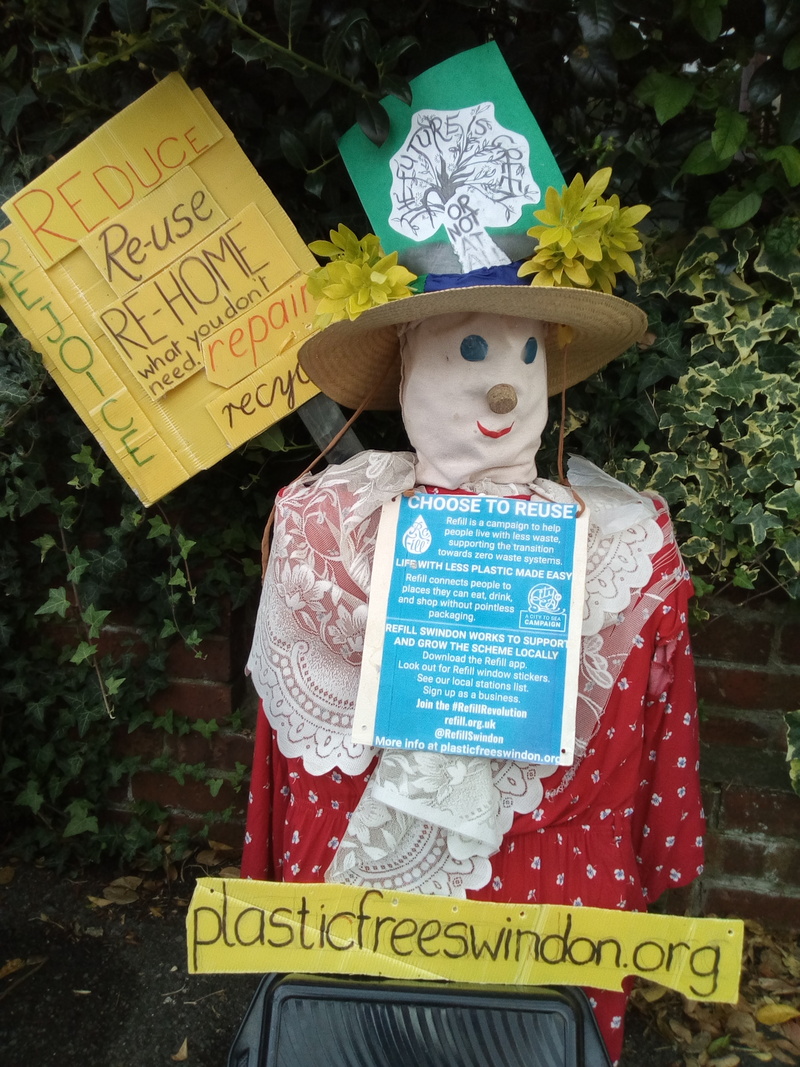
<point x="163" y="285"/>
<point x="248" y="926"/>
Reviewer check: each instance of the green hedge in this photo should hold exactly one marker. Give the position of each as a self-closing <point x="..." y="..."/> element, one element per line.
<point x="696" y="106"/>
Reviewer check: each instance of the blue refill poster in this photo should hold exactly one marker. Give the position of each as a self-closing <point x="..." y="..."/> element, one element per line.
<point x="473" y="633"/>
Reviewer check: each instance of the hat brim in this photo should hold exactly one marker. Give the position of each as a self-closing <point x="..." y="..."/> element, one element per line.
<point x="348" y="360"/>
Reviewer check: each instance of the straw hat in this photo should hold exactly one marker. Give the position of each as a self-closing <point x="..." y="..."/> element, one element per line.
<point x="348" y="359"/>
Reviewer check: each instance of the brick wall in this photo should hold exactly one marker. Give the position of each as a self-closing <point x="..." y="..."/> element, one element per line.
<point x="748" y="671"/>
<point x="204" y="686"/>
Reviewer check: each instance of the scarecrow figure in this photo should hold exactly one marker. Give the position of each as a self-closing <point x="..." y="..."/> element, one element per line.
<point x="471" y="366"/>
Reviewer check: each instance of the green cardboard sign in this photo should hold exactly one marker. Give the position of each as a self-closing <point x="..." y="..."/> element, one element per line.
<point x="456" y="183"/>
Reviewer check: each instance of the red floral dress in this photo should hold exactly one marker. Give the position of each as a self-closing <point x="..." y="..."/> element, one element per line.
<point x="614" y="830"/>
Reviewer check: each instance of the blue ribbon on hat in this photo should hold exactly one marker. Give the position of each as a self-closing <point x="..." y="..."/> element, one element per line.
<point x="506" y="274"/>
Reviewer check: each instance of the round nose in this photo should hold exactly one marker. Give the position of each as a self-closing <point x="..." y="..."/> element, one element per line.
<point x="501" y="399"/>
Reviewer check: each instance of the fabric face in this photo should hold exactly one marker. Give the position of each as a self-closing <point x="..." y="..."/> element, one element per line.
<point x="474" y="397"/>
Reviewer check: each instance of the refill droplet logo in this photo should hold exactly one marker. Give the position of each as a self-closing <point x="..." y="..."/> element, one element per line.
<point x="417" y="538"/>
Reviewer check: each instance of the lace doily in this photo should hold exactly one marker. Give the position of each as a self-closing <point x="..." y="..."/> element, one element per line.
<point x="426" y="822"/>
<point x="309" y="633"/>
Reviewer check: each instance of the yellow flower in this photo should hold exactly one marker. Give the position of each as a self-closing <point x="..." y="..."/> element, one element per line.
<point x="359" y="276"/>
<point x="584" y="240"/>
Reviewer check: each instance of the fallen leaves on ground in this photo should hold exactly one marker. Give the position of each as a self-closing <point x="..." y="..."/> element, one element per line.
<point x="11" y="966"/>
<point x="18" y="970"/>
<point x="123" y="890"/>
<point x="762" y="1026"/>
<point x="183" y="1052"/>
<point x="218" y="860"/>
<point x="774" y="1014"/>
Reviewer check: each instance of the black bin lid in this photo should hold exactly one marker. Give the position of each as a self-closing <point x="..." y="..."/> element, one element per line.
<point x="319" y="1021"/>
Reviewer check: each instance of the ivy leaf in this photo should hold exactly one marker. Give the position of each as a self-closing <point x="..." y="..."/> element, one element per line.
<point x="730" y="130"/>
<point x="787" y="500"/>
<point x="292" y="15"/>
<point x="129" y="16"/>
<point x="759" y="521"/>
<point x="185" y="546"/>
<point x="206" y="728"/>
<point x="373" y="120"/>
<point x="113" y="685"/>
<point x="715" y="315"/>
<point x="94" y="620"/>
<point x="30" y="797"/>
<point x="733" y="208"/>
<point x="80" y="821"/>
<point x="44" y="544"/>
<point x="78" y="565"/>
<point x="139" y="718"/>
<point x="666" y="94"/>
<point x="31" y="496"/>
<point x="159" y="528"/>
<point x="742" y="382"/>
<point x="11" y="105"/>
<point x="85" y="458"/>
<point x="706" y="247"/>
<point x="784" y="467"/>
<point x="56" y="603"/>
<point x="742" y="579"/>
<point x="84" y="651"/>
<point x="36" y="710"/>
<point x="103" y="569"/>
<point x="785" y="265"/>
<point x="780" y="317"/>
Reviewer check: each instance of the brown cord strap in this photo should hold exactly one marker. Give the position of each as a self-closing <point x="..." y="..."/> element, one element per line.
<point x="267" y="535"/>
<point x="563" y="479"/>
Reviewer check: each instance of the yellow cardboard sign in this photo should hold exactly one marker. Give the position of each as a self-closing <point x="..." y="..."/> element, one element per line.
<point x="131" y="154"/>
<point x="148" y="236"/>
<point x="163" y="285"/>
<point x="248" y="926"/>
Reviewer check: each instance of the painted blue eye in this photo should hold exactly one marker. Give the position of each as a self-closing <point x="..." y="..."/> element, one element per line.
<point x="530" y="350"/>
<point x="474" y="348"/>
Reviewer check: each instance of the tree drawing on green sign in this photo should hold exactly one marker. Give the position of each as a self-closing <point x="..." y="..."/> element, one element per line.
<point x="462" y="170"/>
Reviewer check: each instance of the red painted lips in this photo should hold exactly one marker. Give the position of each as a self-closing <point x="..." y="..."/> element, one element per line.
<point x="495" y="433"/>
